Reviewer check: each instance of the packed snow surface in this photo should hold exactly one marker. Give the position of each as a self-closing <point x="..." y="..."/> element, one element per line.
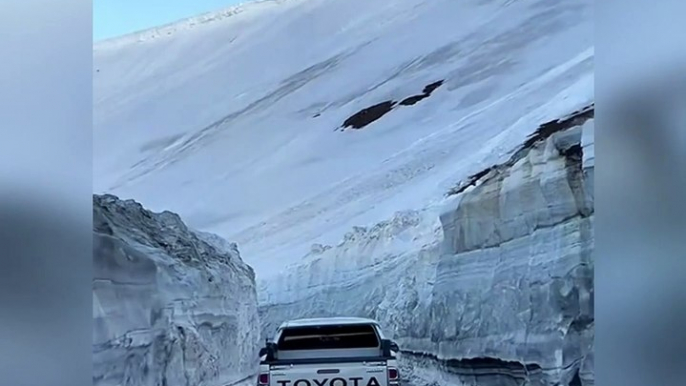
<point x="233" y="119"/>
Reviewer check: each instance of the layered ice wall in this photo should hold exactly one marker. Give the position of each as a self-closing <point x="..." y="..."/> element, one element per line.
<point x="515" y="277"/>
<point x="494" y="288"/>
<point x="170" y="306"/>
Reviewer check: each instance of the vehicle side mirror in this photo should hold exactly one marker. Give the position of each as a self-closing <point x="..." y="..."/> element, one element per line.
<point x="269" y="350"/>
<point x="388" y="346"/>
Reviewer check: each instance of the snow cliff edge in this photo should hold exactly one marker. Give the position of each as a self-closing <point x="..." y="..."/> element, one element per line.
<point x="170" y="306"/>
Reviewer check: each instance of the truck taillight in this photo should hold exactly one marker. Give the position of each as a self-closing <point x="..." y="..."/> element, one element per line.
<point x="393" y="374"/>
<point x="263" y="379"/>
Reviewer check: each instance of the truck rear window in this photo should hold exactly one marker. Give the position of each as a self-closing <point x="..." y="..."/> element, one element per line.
<point x="328" y="337"/>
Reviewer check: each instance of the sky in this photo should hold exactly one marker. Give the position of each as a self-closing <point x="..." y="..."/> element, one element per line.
<point x="113" y="18"/>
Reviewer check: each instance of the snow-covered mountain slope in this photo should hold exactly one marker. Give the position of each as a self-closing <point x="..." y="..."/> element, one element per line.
<point x="170" y="306"/>
<point x="234" y="119"/>
<point x="288" y="126"/>
<point x="493" y="288"/>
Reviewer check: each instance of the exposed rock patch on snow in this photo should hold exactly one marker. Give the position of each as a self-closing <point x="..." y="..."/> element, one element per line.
<point x="370" y="114"/>
<point x="499" y="291"/>
<point x="170" y="306"/>
<point x="428" y="90"/>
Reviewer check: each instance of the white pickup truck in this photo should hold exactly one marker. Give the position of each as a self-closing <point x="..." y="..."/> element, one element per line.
<point x="329" y="352"/>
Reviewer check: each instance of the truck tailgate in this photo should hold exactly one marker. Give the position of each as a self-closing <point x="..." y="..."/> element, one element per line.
<point x="330" y="374"/>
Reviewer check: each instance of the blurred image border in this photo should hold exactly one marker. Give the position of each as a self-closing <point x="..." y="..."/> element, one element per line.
<point x="46" y="193"/>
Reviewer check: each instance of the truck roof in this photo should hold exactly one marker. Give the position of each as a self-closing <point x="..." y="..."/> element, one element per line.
<point x="327" y="322"/>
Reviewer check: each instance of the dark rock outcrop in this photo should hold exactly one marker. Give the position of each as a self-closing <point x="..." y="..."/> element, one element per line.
<point x="370" y="114"/>
<point x="409" y="101"/>
<point x="366" y="116"/>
